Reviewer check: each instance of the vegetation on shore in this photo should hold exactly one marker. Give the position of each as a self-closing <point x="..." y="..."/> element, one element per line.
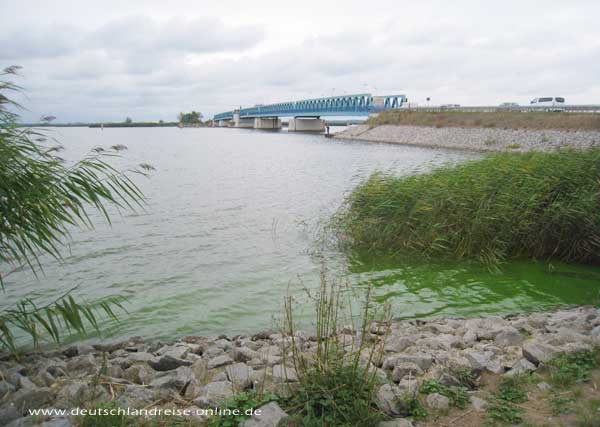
<point x="498" y="119"/>
<point x="532" y="205"/>
<point x="41" y="197"/>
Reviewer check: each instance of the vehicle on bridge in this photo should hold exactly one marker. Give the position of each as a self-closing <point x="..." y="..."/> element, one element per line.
<point x="551" y="103"/>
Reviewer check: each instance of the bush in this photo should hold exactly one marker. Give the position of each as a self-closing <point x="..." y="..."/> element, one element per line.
<point x="531" y="205"/>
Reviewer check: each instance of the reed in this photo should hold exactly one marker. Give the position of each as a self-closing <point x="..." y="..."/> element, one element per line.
<point x="509" y="205"/>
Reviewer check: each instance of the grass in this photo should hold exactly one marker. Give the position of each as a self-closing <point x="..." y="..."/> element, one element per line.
<point x="590" y="416"/>
<point x="242" y="402"/>
<point x="457" y="395"/>
<point x="505" y="409"/>
<point x="571" y="368"/>
<point x="499" y="119"/>
<point x="337" y="385"/>
<point x="509" y="205"/>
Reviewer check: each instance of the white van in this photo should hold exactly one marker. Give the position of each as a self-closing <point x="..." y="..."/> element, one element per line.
<point x="551" y="104"/>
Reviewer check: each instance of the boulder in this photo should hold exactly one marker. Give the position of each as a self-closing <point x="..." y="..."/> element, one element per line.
<point x="478" y="360"/>
<point x="178" y="379"/>
<point x="219" y="361"/>
<point x="387" y="399"/>
<point x="437" y="402"/>
<point x="521" y="367"/>
<point x="244" y="354"/>
<point x="397" y="422"/>
<point x="269" y="415"/>
<point x="85" y="364"/>
<point x="168" y="363"/>
<point x="405" y="369"/>
<point x="282" y="374"/>
<point x="139" y="374"/>
<point x="135" y="397"/>
<point x="423" y="360"/>
<point x="537" y="352"/>
<point x="478" y="404"/>
<point x="240" y="375"/>
<point x="213" y="394"/>
<point x="508" y="337"/>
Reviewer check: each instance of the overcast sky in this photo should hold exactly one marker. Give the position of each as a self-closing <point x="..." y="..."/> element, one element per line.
<point x="105" y="60"/>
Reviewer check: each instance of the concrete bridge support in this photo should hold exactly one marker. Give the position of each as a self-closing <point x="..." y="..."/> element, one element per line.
<point x="239" y="122"/>
<point x="306" y="125"/>
<point x="224" y="123"/>
<point x="267" y="123"/>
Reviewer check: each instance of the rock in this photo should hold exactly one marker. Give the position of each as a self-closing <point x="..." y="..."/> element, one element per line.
<point x="139" y="374"/>
<point x="168" y="363"/>
<point x="270" y="415"/>
<point x="509" y="336"/>
<point x="397" y="422"/>
<point x="240" y="375"/>
<point x="398" y="344"/>
<point x="283" y="374"/>
<point x="404" y="369"/>
<point x="213" y="394"/>
<point x="21" y="422"/>
<point x="423" y="360"/>
<point x="537" y="352"/>
<point x="477" y="360"/>
<point x="85" y="364"/>
<point x="57" y="422"/>
<point x="244" y="354"/>
<point x="595" y="332"/>
<point x="135" y="396"/>
<point x="174" y="351"/>
<point x="35" y="398"/>
<point x="212" y="352"/>
<point x="437" y="401"/>
<point x="543" y="386"/>
<point x="78" y="350"/>
<point x="494" y="367"/>
<point x="478" y="404"/>
<point x="140" y="357"/>
<point x="223" y="344"/>
<point x="219" y="361"/>
<point x="521" y="367"/>
<point x="24" y="382"/>
<point x="178" y="379"/>
<point x="6" y="387"/>
<point x="71" y="394"/>
<point x="449" y="380"/>
<point x="387" y="399"/>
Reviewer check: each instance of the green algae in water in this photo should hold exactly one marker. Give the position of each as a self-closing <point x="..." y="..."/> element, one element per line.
<point x="430" y="288"/>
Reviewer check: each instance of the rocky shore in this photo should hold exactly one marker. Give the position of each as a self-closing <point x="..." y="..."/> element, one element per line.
<point x="197" y="372"/>
<point x="477" y="139"/>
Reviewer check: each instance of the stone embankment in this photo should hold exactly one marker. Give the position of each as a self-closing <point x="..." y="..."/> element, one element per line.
<point x="477" y="139"/>
<point x="199" y="372"/>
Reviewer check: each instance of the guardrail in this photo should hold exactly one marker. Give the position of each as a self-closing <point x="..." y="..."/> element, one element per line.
<point x="524" y="109"/>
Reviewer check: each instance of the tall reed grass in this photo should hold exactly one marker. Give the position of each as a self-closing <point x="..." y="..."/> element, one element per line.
<point x="533" y="205"/>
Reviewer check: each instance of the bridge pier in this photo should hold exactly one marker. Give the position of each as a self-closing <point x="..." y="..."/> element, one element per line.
<point x="224" y="123"/>
<point x="267" y="123"/>
<point x="299" y="124"/>
<point x="240" y="122"/>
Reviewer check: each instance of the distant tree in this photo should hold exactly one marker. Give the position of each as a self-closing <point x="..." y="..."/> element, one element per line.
<point x="161" y="121"/>
<point x="128" y="120"/>
<point x="193" y="118"/>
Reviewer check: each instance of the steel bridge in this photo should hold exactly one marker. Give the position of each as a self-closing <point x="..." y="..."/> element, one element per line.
<point x="346" y="105"/>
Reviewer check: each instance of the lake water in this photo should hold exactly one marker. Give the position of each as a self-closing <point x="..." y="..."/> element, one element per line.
<point x="231" y="226"/>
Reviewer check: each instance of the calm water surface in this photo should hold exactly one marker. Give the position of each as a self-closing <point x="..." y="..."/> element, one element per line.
<point x="231" y="225"/>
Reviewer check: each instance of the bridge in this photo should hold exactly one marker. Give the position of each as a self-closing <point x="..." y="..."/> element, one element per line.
<point x="305" y="115"/>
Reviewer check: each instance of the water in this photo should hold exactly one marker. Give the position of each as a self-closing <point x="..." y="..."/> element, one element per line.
<point x="230" y="228"/>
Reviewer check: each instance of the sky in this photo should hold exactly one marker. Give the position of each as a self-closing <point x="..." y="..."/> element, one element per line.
<point x="148" y="60"/>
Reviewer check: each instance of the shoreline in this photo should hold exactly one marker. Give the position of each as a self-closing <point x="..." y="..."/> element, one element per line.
<point x="196" y="372"/>
<point x="473" y="139"/>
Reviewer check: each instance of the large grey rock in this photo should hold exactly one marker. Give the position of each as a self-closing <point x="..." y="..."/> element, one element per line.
<point x="270" y="415"/>
<point x="19" y="422"/>
<point x="78" y="350"/>
<point x="139" y="374"/>
<point x="478" y="404"/>
<point x="244" y="354"/>
<point x="175" y="351"/>
<point x="168" y="363"/>
<point x="387" y="399"/>
<point x="178" y="379"/>
<point x="25" y="399"/>
<point x="397" y="344"/>
<point x="282" y="374"/>
<point x="521" y="367"/>
<point x="402" y="370"/>
<point x="57" y="422"/>
<point x="135" y="397"/>
<point x="437" y="401"/>
<point x="537" y="352"/>
<point x="71" y="394"/>
<point x="478" y="360"/>
<point x="240" y="375"/>
<point x="213" y="394"/>
<point x="508" y="337"/>
<point x="423" y="360"/>
<point x="85" y="364"/>
<point x="397" y="422"/>
<point x="219" y="361"/>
